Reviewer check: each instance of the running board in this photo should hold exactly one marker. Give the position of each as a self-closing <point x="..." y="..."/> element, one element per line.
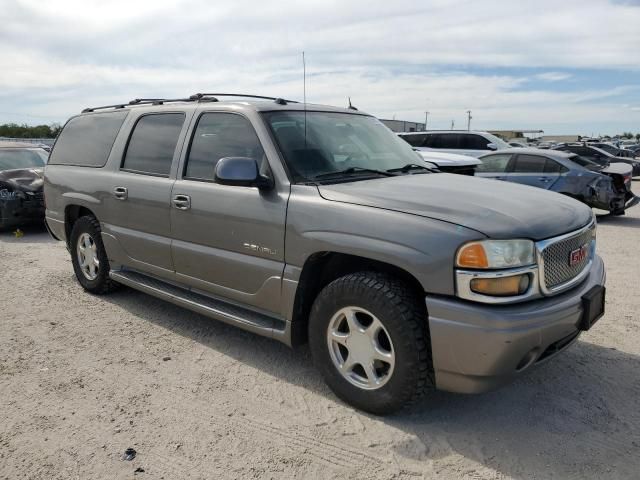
<point x="256" y="322"/>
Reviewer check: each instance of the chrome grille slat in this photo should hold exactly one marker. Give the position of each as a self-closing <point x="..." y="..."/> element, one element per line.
<point x="555" y="255"/>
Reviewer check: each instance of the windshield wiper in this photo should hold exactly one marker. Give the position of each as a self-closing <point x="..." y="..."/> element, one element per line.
<point x="351" y="171"/>
<point x="411" y="166"/>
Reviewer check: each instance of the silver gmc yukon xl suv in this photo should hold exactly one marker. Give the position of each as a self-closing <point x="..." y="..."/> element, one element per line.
<point x="312" y="223"/>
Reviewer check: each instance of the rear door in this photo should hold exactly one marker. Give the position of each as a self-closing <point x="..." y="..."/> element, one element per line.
<point x="535" y="170"/>
<point x="138" y="200"/>
<point x="228" y="240"/>
<point x="447" y="142"/>
<point x="494" y="166"/>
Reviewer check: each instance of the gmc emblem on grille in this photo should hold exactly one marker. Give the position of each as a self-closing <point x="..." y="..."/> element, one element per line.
<point x="578" y="255"/>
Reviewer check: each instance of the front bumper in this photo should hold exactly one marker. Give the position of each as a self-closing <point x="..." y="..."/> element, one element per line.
<point x="479" y="347"/>
<point x="16" y="211"/>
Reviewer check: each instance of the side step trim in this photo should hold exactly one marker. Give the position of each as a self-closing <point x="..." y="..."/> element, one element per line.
<point x="250" y="320"/>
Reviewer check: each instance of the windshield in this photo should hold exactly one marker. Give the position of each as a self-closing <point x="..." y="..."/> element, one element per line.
<point x="13" y="158"/>
<point x="337" y="142"/>
<point x="497" y="141"/>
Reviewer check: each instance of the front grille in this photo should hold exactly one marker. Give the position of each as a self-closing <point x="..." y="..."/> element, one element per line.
<point x="556" y="256"/>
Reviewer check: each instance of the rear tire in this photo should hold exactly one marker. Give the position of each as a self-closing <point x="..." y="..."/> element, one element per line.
<point x="89" y="258"/>
<point x="372" y="312"/>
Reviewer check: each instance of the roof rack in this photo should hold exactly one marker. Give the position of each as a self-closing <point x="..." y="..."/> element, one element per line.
<point x="278" y="100"/>
<point x="197" y="97"/>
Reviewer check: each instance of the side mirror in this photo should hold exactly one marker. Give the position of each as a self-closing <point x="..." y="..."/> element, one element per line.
<point x="492" y="146"/>
<point x="241" y="172"/>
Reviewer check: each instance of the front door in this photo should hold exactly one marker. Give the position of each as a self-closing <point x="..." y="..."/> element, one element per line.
<point x="228" y="241"/>
<point x="493" y="166"/>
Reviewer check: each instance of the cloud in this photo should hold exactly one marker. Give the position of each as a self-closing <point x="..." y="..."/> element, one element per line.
<point x="502" y="59"/>
<point x="553" y="76"/>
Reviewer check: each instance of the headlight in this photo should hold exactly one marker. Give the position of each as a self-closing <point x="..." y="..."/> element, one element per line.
<point x="491" y="254"/>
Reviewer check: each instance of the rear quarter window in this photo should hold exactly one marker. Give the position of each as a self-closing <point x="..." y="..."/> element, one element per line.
<point x="86" y="140"/>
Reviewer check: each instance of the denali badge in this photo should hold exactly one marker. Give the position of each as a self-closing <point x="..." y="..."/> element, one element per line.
<point x="578" y="255"/>
<point x="259" y="249"/>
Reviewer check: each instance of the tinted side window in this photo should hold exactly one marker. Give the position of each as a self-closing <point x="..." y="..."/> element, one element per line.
<point x="494" y="163"/>
<point x="551" y="166"/>
<point x="414" y="140"/>
<point x="153" y="143"/>
<point x="429" y="141"/>
<point x="220" y="135"/>
<point x="445" y="140"/>
<point x="529" y="164"/>
<point x="473" y="142"/>
<point x="86" y="140"/>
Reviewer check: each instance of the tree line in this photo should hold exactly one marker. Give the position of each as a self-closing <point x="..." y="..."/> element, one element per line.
<point x="13" y="130"/>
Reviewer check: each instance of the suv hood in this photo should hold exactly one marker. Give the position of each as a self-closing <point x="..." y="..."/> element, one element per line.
<point x="23" y="179"/>
<point x="495" y="208"/>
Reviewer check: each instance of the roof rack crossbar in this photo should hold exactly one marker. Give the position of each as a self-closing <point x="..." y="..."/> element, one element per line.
<point x="204" y="97"/>
<point x="199" y="96"/>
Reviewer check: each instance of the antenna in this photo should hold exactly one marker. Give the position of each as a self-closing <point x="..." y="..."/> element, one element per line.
<point x="304" y="79"/>
<point x="304" y="99"/>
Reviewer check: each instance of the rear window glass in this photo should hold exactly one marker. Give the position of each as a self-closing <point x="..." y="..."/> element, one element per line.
<point x="153" y="143"/>
<point x="86" y="140"/>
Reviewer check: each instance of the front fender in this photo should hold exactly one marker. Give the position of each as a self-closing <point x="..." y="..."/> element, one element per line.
<point x="423" y="247"/>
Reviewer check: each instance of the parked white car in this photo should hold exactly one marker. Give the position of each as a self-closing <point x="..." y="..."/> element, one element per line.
<point x="451" y="162"/>
<point x="464" y="142"/>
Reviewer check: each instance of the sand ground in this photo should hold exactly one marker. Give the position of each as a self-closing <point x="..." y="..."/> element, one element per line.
<point x="84" y="377"/>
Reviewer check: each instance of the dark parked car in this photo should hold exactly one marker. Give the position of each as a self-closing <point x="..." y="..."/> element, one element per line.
<point x="599" y="156"/>
<point x="21" y="172"/>
<point x="604" y="187"/>
<point x="615" y="151"/>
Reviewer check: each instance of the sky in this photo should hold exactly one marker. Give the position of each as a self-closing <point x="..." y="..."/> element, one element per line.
<point x="562" y="66"/>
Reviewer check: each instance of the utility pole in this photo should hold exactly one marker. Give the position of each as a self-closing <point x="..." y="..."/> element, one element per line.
<point x="426" y="120"/>
<point x="469" y="117"/>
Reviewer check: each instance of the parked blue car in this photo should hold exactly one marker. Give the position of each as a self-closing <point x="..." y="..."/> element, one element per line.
<point x="606" y="187"/>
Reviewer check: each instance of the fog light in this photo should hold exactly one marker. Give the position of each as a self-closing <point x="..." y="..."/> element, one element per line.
<point x="501" y="286"/>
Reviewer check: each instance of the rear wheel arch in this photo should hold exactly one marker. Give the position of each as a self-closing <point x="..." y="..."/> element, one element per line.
<point x="71" y="215"/>
<point x="322" y="268"/>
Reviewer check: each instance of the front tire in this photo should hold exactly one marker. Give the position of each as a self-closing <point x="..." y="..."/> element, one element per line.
<point x="369" y="339"/>
<point x="89" y="258"/>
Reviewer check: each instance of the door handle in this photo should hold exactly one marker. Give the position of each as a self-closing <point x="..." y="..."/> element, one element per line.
<point x="120" y="193"/>
<point x="544" y="179"/>
<point x="182" y="202"/>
